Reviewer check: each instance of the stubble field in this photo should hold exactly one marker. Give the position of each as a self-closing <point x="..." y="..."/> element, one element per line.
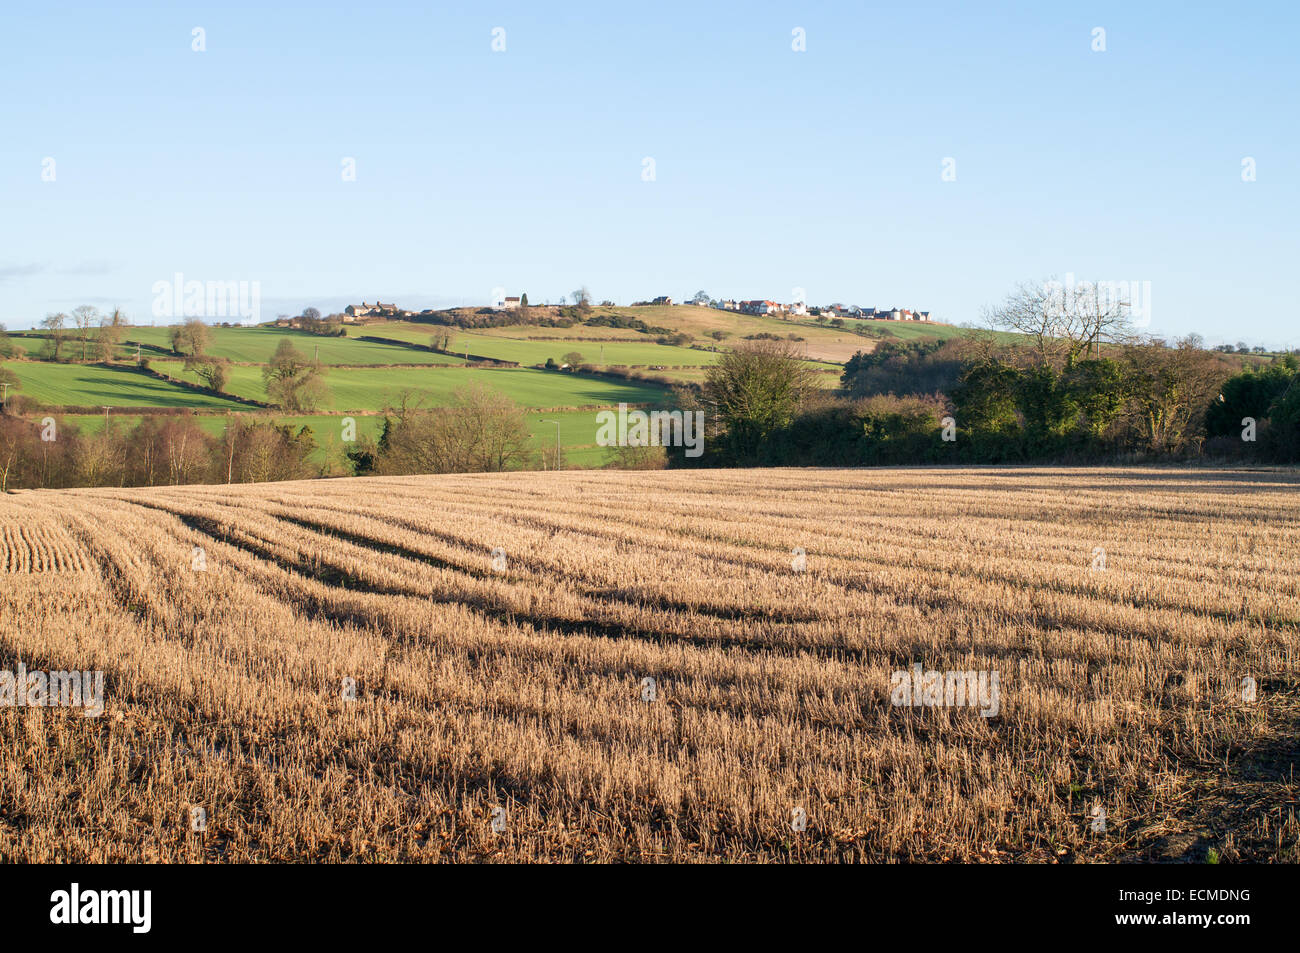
<point x="454" y="668"/>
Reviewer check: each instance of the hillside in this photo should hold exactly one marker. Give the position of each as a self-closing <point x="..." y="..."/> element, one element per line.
<point x="379" y="362"/>
<point x="820" y="341"/>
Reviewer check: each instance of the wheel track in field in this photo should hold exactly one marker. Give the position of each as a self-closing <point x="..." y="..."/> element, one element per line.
<point x="812" y="725"/>
<point x="1015" y="574"/>
<point x="588" y="626"/>
<point x="1069" y="581"/>
<point x="1084" y="613"/>
<point x="495" y="610"/>
<point x="595" y="623"/>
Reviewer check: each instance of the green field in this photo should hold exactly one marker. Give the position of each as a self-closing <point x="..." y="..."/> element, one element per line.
<point x="362" y="377"/>
<point x="88" y="385"/>
<point x="821" y="343"/>
<point x="593" y="352"/>
<point x="256" y="345"/>
<point x="25" y="345"/>
<point x="371" y="389"/>
<point x="577" y="431"/>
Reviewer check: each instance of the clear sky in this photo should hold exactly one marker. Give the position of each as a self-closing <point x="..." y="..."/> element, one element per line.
<point x="774" y="169"/>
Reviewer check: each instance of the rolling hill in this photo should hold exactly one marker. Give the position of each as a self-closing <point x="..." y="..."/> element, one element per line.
<point x="375" y="363"/>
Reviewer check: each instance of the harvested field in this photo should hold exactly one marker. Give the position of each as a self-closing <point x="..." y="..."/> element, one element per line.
<point x="500" y="707"/>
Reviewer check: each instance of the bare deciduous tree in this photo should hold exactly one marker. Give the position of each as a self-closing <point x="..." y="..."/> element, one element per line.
<point x="86" y="317"/>
<point x="481" y="430"/>
<point x="112" y="329"/>
<point x="1063" y="321"/>
<point x="55" y="324"/>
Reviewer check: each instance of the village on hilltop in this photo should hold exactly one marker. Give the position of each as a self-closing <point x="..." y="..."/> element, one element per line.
<point x="802" y="309"/>
<point x="762" y="307"/>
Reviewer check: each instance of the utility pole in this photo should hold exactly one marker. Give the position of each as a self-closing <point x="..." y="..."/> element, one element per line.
<point x="557" y="441"/>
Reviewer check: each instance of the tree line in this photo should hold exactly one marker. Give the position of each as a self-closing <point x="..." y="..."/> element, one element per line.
<point x="479" y="430"/>
<point x="1072" y="382"/>
<point x="162" y="449"/>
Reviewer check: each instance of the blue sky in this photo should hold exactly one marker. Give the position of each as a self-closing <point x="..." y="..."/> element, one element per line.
<point x="774" y="169"/>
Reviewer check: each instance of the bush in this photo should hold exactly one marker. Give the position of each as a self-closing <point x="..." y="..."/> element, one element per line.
<point x="882" y="429"/>
<point x="481" y="431"/>
<point x="916" y="367"/>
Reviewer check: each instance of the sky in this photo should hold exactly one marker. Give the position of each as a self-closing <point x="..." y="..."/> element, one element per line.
<point x="922" y="155"/>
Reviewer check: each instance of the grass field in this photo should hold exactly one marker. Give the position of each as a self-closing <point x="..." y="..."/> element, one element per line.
<point x="577" y="431"/>
<point x="88" y="385"/>
<point x="364" y="375"/>
<point x="25" y="345"/>
<point x="356" y="676"/>
<point x="593" y="352"/>
<point x="257" y="344"/>
<point x="527" y="351"/>
<point x="370" y="389"/>
<point x="821" y="343"/>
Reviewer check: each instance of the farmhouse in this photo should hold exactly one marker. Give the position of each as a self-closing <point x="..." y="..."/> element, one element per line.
<point x="509" y="304"/>
<point x="662" y="299"/>
<point x="375" y="310"/>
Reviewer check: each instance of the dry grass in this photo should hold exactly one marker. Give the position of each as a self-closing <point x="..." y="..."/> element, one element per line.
<point x="477" y="689"/>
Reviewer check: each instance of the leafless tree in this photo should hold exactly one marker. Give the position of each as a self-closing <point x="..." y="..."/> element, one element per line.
<point x="112" y="329"/>
<point x="481" y="430"/>
<point x="55" y="324"/>
<point x="1063" y="321"/>
<point x="86" y="317"/>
